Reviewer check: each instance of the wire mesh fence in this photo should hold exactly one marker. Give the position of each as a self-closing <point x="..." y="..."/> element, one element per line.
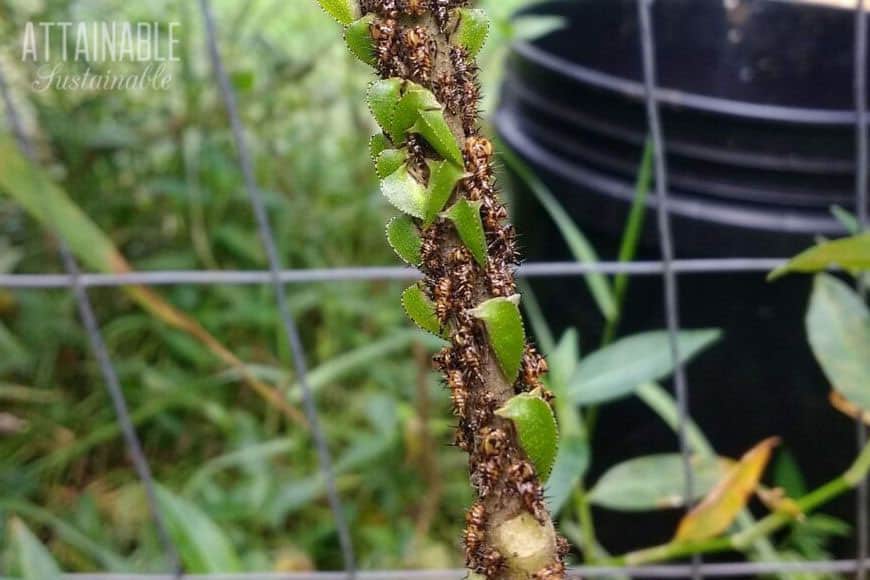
<point x="669" y="268"/>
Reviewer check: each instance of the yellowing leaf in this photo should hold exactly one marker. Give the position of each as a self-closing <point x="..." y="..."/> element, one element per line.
<point x="536" y="429"/>
<point x="465" y="216"/>
<point x="717" y="511"/>
<point x="851" y="254"/>
<point x="359" y="40"/>
<point x="504" y="326"/>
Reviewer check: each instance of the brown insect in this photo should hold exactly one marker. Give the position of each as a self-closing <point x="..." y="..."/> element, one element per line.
<point x="551" y="572"/>
<point x="418" y="50"/>
<point x="500" y="279"/>
<point x="414" y="7"/>
<point x="486" y="475"/>
<point x="492" y="441"/>
<point x="533" y="366"/>
<point x="490" y="563"/>
<point x="443" y="296"/>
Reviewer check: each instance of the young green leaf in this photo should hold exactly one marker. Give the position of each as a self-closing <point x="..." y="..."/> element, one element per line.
<point x="415" y="100"/>
<point x="443" y="177"/>
<point x="358" y="37"/>
<point x="389" y="160"/>
<point x="536" y="429"/>
<point x="35" y="562"/>
<point x="404" y="238"/>
<point x="405" y="192"/>
<point x="655" y="482"/>
<point x="342" y="10"/>
<point x="378" y="144"/>
<point x="504" y="326"/>
<point x="420" y="309"/>
<point x="433" y="127"/>
<point x="617" y="370"/>
<point x="472" y="30"/>
<point x="465" y="216"/>
<point x="838" y="326"/>
<point x="382" y="97"/>
<point x="852" y="254"/>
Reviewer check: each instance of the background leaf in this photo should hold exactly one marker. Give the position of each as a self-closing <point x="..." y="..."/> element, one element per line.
<point x="838" y="327"/>
<point x="202" y="545"/>
<point x="35" y="562"/>
<point x="655" y="482"/>
<point x="851" y="254"/>
<point x="616" y="370"/>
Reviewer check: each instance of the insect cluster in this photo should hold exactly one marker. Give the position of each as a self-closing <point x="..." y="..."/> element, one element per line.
<point x="415" y="41"/>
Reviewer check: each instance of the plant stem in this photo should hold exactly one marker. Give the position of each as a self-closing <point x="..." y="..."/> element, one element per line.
<point x="764" y="527"/>
<point x="584" y="516"/>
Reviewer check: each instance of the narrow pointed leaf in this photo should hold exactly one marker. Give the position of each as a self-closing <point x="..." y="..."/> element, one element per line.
<point x="378" y="144"/>
<point x="358" y="37"/>
<point x="389" y="161"/>
<point x="433" y="127"/>
<point x="727" y="499"/>
<point x="443" y="177"/>
<point x="472" y="30"/>
<point x="35" y="562"/>
<point x="420" y="309"/>
<point x="618" y="369"/>
<point x="404" y="238"/>
<point x="203" y="546"/>
<point x="504" y="326"/>
<point x="655" y="482"/>
<point x="851" y="254"/>
<point x="536" y="429"/>
<point x="838" y="327"/>
<point x="342" y="10"/>
<point x="382" y="97"/>
<point x="415" y="100"/>
<point x="465" y="216"/>
<point x="405" y="192"/>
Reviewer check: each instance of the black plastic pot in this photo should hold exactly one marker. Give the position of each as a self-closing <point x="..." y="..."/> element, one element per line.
<point x="756" y="104"/>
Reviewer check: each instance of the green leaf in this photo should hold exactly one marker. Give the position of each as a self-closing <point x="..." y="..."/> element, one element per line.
<point x="415" y="100"/>
<point x="838" y="326"/>
<point x="378" y="144"/>
<point x="536" y="429"/>
<point x="404" y="238"/>
<point x="433" y="127"/>
<point x="852" y="254"/>
<point x="35" y="562"/>
<point x="443" y="177"/>
<point x="420" y="309"/>
<point x="504" y="326"/>
<point x="571" y="464"/>
<point x="342" y="10"/>
<point x="465" y="216"/>
<point x="847" y="218"/>
<point x="389" y="161"/>
<point x="472" y="30"/>
<point x="405" y="192"/>
<point x="616" y="370"/>
<point x="382" y="97"/>
<point x="564" y="357"/>
<point x="203" y="547"/>
<point x="655" y="482"/>
<point x="580" y="247"/>
<point x="358" y="37"/>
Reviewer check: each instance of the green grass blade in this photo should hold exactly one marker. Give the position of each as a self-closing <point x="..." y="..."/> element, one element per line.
<point x="580" y="247"/>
